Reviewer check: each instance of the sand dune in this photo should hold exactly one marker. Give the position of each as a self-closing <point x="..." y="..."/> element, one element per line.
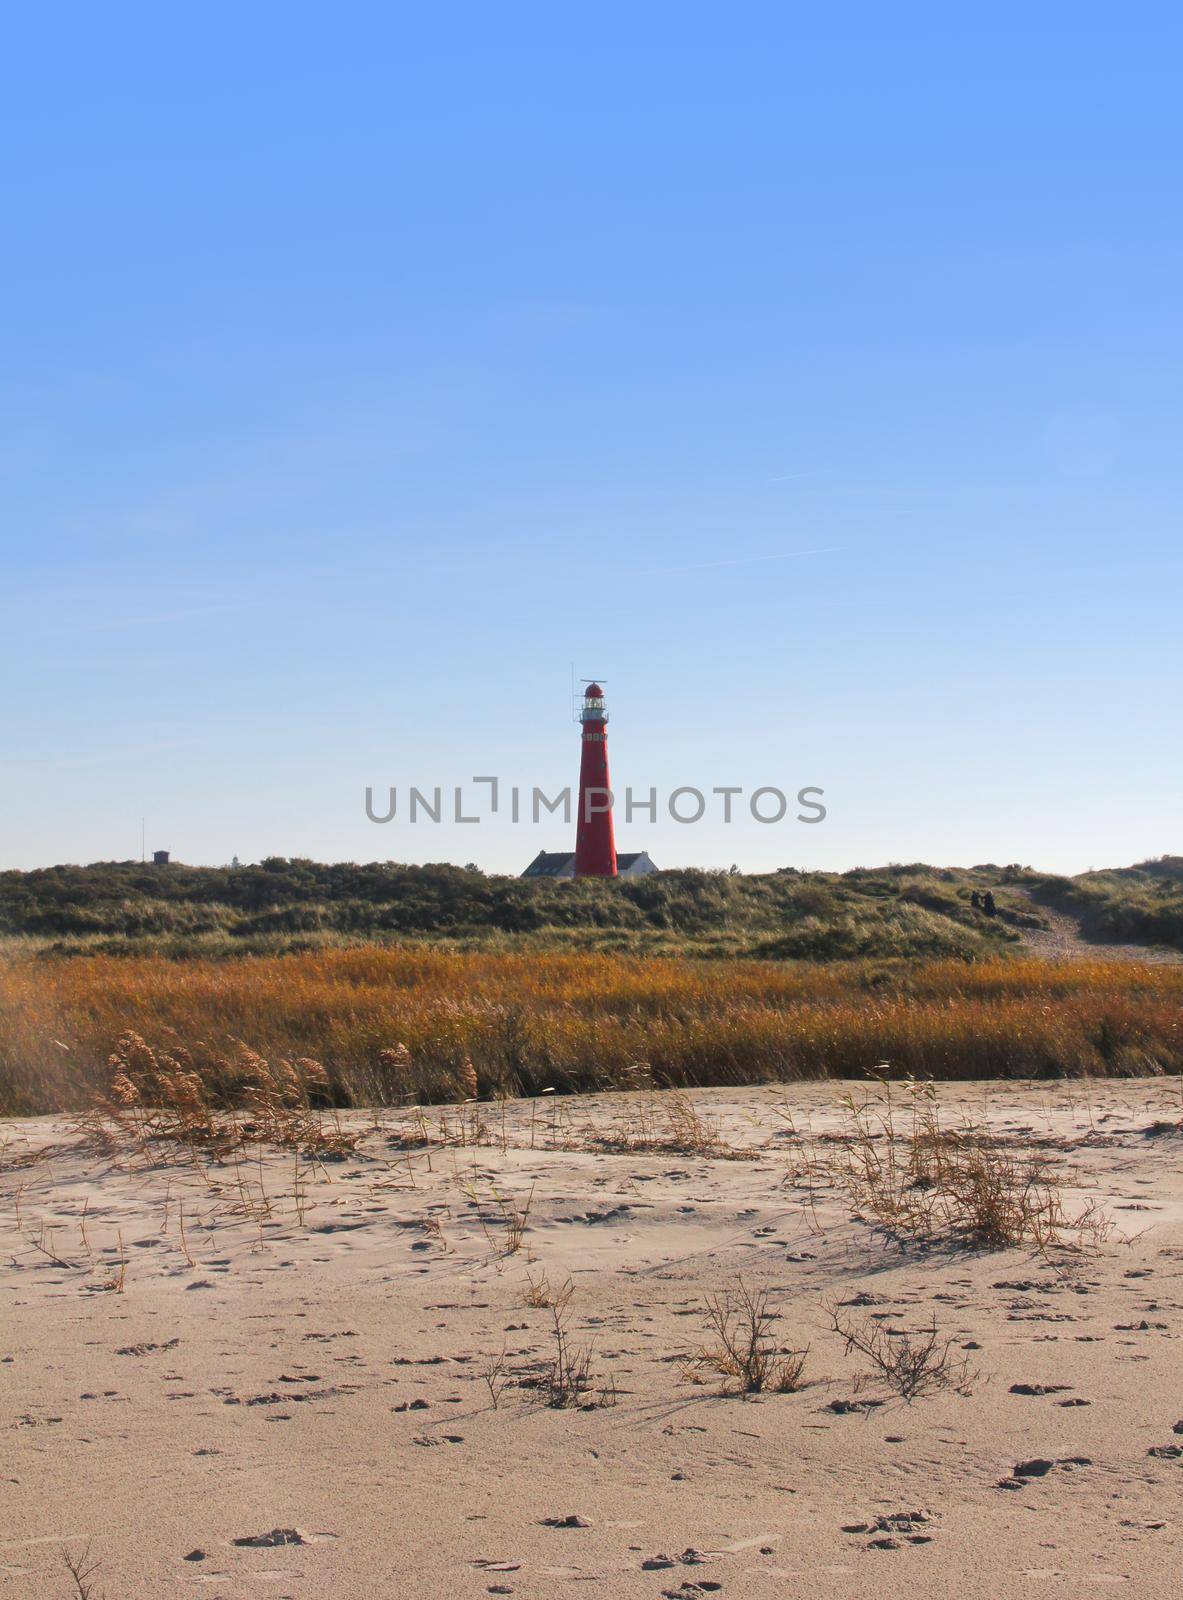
<point x="273" y="1378"/>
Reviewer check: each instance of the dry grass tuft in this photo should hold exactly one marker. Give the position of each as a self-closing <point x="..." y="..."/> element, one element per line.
<point x="538" y="1293"/>
<point x="666" y="1124"/>
<point x="503" y="1219"/>
<point x="743" y="1353"/>
<point x="515" y="1216"/>
<point x="461" y="1127"/>
<point x="919" y="1180"/>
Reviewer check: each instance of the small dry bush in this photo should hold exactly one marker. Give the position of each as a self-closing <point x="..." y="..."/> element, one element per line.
<point x="497" y="1376"/>
<point x="568" y="1380"/>
<point x="81" y="1570"/>
<point x="565" y="1382"/>
<point x="742" y="1352"/>
<point x="913" y="1364"/>
<point x="154" y="1096"/>
<point x="917" y="1179"/>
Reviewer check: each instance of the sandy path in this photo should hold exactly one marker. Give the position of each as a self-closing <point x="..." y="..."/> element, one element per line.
<point x="320" y="1368"/>
<point x="1062" y="940"/>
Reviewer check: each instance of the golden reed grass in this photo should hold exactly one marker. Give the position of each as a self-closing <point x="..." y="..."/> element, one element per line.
<point x="153" y="1096"/>
<point x="407" y="1024"/>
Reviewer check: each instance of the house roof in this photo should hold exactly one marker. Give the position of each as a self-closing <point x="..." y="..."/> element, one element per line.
<point x="561" y="863"/>
<point x="550" y="864"/>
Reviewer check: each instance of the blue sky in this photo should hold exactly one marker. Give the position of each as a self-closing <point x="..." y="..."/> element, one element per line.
<point x="811" y="374"/>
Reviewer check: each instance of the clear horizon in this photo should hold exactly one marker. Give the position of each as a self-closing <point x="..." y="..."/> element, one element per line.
<point x="815" y="380"/>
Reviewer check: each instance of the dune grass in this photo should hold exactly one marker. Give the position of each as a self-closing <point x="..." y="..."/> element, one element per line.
<point x="395" y="1025"/>
<point x="281" y="905"/>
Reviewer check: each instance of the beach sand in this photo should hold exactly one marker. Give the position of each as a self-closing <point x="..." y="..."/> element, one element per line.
<point x="273" y="1378"/>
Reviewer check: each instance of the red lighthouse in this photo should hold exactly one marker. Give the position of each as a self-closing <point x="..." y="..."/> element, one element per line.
<point x="595" y="846"/>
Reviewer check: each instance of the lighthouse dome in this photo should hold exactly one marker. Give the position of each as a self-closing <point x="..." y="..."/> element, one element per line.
<point x="593" y="692"/>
